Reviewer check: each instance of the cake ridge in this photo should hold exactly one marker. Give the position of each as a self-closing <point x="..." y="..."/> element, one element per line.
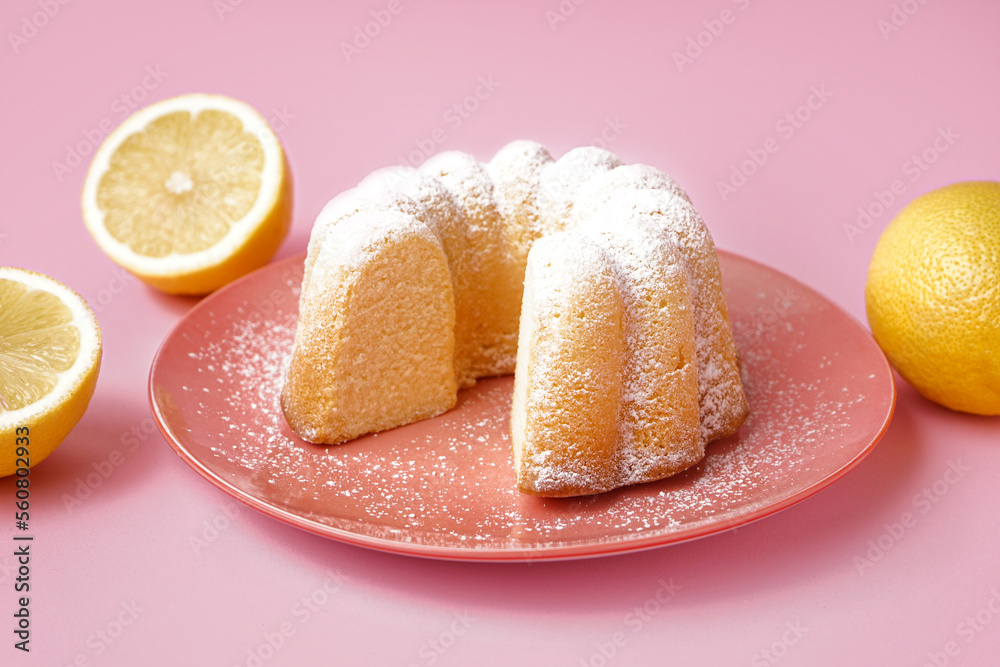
<point x="380" y="258"/>
<point x="515" y="236"/>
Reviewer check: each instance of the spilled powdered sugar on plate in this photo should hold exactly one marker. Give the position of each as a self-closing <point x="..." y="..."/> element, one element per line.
<point x="448" y="483"/>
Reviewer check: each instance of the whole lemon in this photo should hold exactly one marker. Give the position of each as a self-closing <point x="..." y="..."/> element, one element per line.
<point x="933" y="295"/>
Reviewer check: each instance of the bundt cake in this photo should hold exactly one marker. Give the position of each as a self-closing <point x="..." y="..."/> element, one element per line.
<point x="595" y="283"/>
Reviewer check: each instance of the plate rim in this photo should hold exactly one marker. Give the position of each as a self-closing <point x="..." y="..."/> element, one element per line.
<point x="491" y="554"/>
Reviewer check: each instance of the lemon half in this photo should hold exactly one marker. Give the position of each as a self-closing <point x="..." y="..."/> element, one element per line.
<point x="189" y="193"/>
<point x="50" y="355"/>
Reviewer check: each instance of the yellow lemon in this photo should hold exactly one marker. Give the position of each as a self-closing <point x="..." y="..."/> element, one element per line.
<point x="933" y="295"/>
<point x="50" y="354"/>
<point x="189" y="193"/>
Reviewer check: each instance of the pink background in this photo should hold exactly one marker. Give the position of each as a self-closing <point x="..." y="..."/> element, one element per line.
<point x="790" y="585"/>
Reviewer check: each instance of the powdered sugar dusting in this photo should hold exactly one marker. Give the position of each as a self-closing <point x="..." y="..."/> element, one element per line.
<point x="516" y="174"/>
<point x="448" y="482"/>
<point x="662" y="251"/>
<point x="721" y="399"/>
<point x="560" y="181"/>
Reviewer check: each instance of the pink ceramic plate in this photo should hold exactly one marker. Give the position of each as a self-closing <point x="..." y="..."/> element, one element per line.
<point x="821" y="395"/>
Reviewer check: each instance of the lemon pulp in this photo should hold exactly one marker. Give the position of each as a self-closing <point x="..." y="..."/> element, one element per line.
<point x="38" y="341"/>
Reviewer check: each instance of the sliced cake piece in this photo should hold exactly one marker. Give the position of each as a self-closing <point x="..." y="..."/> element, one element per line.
<point x="375" y="341"/>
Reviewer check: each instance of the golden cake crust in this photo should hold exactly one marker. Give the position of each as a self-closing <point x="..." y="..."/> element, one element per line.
<point x="392" y="336"/>
<point x="595" y="282"/>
